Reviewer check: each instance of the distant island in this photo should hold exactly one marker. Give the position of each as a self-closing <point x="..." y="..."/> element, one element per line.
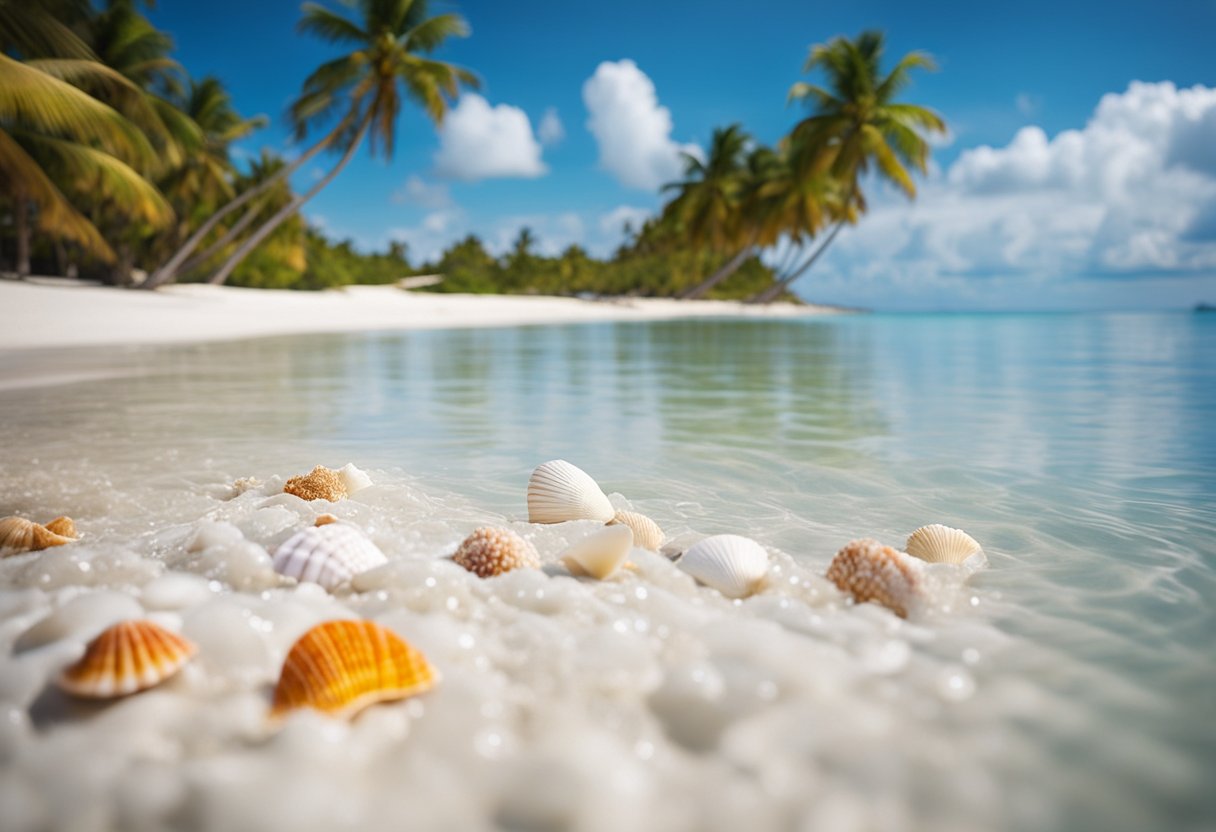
<point x="1205" y="307"/>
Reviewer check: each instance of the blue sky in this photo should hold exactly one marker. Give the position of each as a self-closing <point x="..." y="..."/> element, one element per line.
<point x="584" y="106"/>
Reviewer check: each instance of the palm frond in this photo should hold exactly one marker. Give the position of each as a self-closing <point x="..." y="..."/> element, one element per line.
<point x="329" y="26"/>
<point x="431" y="33"/>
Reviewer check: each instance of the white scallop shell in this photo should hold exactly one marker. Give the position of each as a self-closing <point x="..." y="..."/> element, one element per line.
<point x="601" y="553"/>
<point x="559" y="491"/>
<point x="733" y="565"/>
<point x="646" y="532"/>
<point x="327" y="555"/>
<point x="941" y="544"/>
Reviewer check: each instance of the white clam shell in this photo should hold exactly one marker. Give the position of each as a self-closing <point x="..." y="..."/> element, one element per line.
<point x="353" y="478"/>
<point x="941" y="544"/>
<point x="559" y="491"/>
<point x="646" y="532"/>
<point x="328" y="555"/>
<point x="731" y="564"/>
<point x="601" y="553"/>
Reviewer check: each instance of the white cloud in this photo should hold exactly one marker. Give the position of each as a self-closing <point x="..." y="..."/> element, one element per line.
<point x="632" y="130"/>
<point x="478" y="141"/>
<point x="1131" y="194"/>
<point x="550" y="130"/>
<point x="612" y="224"/>
<point x="433" y="196"/>
<point x="1027" y="103"/>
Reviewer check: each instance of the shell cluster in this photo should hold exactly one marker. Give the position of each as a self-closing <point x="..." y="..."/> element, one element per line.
<point x="329" y="554"/>
<point x="869" y="571"/>
<point x="490" y="551"/>
<point x="17" y="534"/>
<point x="341" y="667"/>
<point x="126" y="658"/>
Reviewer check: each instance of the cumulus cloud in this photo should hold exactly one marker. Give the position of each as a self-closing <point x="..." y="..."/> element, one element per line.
<point x="631" y="128"/>
<point x="550" y="130"/>
<point x="480" y="141"/>
<point x="434" y="196"/>
<point x="1131" y="194"/>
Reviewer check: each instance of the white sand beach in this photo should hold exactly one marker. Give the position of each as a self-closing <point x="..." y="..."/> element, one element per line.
<point x="59" y="313"/>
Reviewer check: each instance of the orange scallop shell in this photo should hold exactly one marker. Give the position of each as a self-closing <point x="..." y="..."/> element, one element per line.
<point x="869" y="571"/>
<point x="20" y="535"/>
<point x="126" y="658"/>
<point x="341" y="667"/>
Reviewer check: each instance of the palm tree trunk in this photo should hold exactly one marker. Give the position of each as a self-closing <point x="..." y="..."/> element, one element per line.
<point x="219" y="245"/>
<point x="773" y="292"/>
<point x="22" y="218"/>
<point x="168" y="272"/>
<point x="274" y="222"/>
<point x="730" y="267"/>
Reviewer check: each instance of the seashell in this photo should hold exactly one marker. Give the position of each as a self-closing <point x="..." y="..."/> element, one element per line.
<point x="319" y="484"/>
<point x="489" y="551"/>
<point x="869" y="571"/>
<point x="941" y="544"/>
<point x="646" y="532"/>
<point x="353" y="478"/>
<point x="601" y="553"/>
<point x="20" y="535"/>
<point x="329" y="555"/>
<point x="126" y="658"/>
<point x="731" y="564"/>
<point x="559" y="491"/>
<point x="325" y="520"/>
<point x="341" y="667"/>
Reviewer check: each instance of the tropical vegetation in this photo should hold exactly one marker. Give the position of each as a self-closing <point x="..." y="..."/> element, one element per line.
<point x="118" y="165"/>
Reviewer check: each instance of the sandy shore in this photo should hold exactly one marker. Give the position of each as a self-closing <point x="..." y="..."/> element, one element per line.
<point x="55" y="313"/>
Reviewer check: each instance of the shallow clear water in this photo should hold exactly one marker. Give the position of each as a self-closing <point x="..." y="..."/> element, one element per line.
<point x="1074" y="686"/>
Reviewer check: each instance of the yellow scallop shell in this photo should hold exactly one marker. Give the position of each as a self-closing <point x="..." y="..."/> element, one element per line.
<point x="341" y="667"/>
<point x="126" y="658"/>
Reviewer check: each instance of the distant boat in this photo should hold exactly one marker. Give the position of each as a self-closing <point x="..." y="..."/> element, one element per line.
<point x="1205" y="307"/>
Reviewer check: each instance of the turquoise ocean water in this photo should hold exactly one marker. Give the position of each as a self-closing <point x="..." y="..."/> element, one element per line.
<point x="1079" y="449"/>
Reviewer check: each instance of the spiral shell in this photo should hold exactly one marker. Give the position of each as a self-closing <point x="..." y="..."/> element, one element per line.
<point x="126" y="658"/>
<point x="600" y="554"/>
<point x="869" y="571"/>
<point x="646" y="532"/>
<point x="329" y="555"/>
<point x="319" y="484"/>
<point x="559" y="491"/>
<point x="731" y="564"/>
<point x="491" y="551"/>
<point x="941" y="544"/>
<point x="341" y="667"/>
<point x="19" y="535"/>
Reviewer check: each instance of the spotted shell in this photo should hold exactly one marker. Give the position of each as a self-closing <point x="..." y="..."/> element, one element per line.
<point x="731" y="564"/>
<point x="559" y="491"/>
<point x="329" y="555"/>
<point x="646" y="532"/>
<point x="941" y="544"/>
<point x="126" y="658"/>
<point x="20" y="535"/>
<point x="319" y="484"/>
<point x="869" y="571"/>
<point x="601" y="553"/>
<point x="491" y="551"/>
<point x="341" y="667"/>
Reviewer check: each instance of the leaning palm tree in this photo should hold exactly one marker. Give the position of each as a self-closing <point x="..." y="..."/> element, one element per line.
<point x="707" y="205"/>
<point x="856" y="124"/>
<point x="364" y="88"/>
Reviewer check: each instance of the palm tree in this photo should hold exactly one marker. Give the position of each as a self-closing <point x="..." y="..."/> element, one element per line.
<point x="366" y="85"/>
<point x="856" y="124"/>
<point x="709" y="199"/>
